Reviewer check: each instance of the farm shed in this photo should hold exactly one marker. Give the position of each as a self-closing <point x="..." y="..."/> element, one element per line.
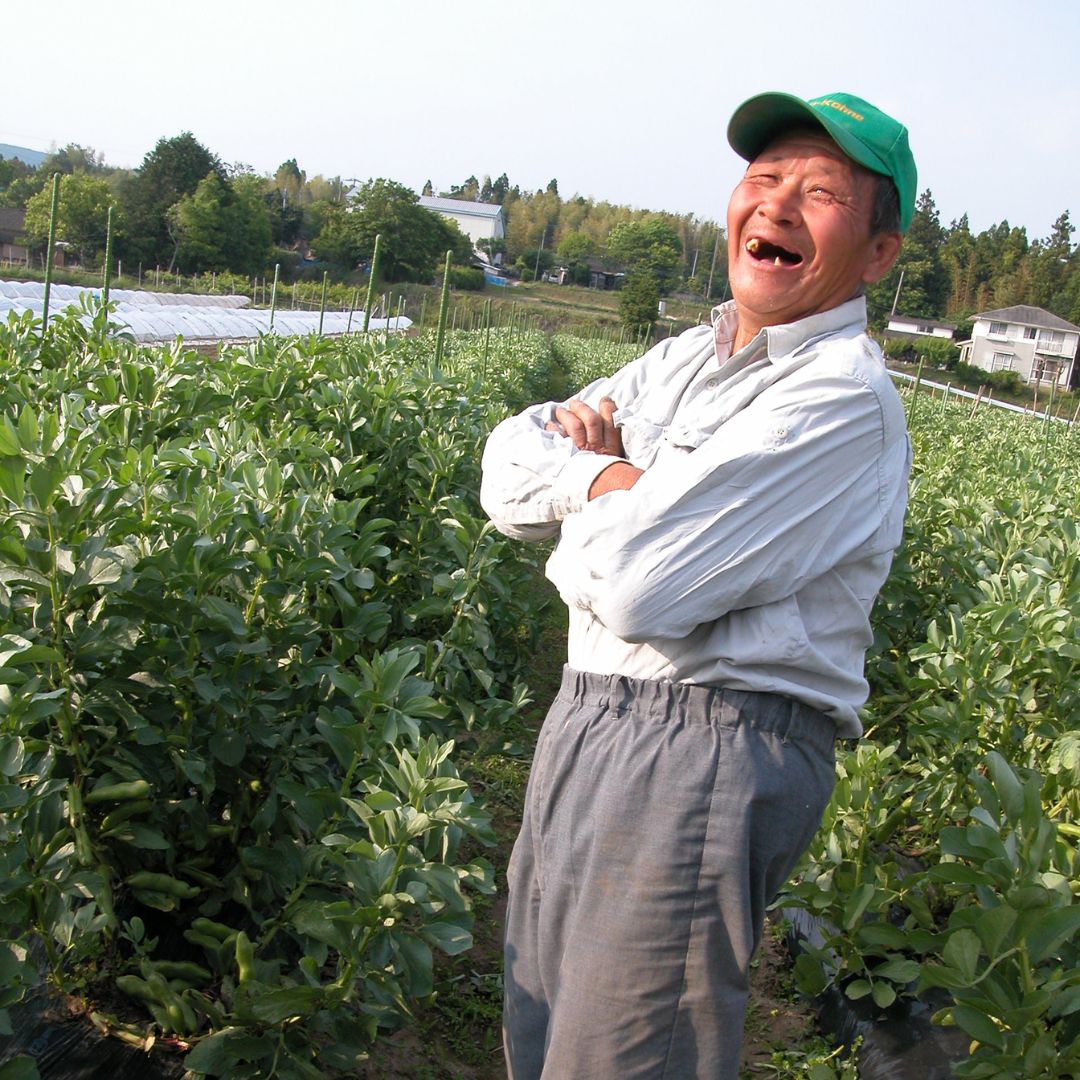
<point x="914" y="327"/>
<point x="1037" y="345"/>
<point x="478" y="221"/>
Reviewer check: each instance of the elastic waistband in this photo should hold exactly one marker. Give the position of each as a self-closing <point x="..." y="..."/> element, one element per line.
<point x="721" y="705"/>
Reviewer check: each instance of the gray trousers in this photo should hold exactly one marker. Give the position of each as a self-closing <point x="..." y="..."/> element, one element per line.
<point x="660" y="820"/>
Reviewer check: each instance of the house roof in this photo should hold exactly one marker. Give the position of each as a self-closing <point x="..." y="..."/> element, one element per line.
<point x="920" y="320"/>
<point x="1026" y="315"/>
<point x="460" y="206"/>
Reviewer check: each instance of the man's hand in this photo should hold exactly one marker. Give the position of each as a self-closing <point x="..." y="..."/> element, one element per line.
<point x="589" y="428"/>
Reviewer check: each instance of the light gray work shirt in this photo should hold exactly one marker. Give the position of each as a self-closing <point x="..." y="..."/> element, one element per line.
<point x="750" y="552"/>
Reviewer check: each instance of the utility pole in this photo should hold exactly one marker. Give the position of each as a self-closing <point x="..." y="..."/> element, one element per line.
<point x="896" y="298"/>
<point x="536" y="272"/>
<point x="712" y="269"/>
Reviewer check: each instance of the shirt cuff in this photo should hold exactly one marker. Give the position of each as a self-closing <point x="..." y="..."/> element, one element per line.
<point x="577" y="475"/>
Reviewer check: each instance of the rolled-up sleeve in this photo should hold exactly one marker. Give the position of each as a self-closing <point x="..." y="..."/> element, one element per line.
<point x="781" y="493"/>
<point x="534" y="478"/>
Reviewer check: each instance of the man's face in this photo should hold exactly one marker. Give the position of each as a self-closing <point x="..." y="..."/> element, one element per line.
<point x="799" y="232"/>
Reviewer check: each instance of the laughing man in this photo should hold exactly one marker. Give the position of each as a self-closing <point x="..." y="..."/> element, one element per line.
<point x="726" y="508"/>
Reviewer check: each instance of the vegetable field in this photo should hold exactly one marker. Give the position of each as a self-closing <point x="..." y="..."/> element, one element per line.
<point x="250" y="612"/>
<point x="948" y="857"/>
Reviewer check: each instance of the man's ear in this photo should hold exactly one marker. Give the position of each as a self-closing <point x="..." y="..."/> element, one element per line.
<point x="884" y="247"/>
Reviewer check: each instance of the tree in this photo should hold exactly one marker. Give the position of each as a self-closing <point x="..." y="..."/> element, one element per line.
<point x="223" y="226"/>
<point x="926" y="283"/>
<point x="414" y="240"/>
<point x="575" y="246"/>
<point x="649" y="245"/>
<point x="81" y="216"/>
<point x="469" y="191"/>
<point x="74" y="158"/>
<point x="19" y="182"/>
<point x="639" y="301"/>
<point x="428" y="190"/>
<point x="173" y="169"/>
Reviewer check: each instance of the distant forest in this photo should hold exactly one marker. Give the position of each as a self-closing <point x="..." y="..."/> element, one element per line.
<point x="184" y="209"/>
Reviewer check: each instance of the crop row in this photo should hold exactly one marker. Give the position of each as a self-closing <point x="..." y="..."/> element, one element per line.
<point x="247" y="606"/>
<point x="948" y="857"/>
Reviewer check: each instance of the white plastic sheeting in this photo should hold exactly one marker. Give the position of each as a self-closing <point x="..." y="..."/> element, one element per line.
<point x="153" y="317"/>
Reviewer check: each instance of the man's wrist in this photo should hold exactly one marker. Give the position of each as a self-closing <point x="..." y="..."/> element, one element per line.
<point x="618" y="476"/>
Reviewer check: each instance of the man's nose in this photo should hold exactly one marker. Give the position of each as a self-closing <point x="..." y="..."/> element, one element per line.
<point x="781" y="205"/>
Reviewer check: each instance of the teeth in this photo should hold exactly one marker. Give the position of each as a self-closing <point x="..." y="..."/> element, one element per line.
<point x="753" y="245"/>
<point x="778" y="261"/>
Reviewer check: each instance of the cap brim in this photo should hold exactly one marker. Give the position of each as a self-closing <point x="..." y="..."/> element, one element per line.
<point x="757" y="121"/>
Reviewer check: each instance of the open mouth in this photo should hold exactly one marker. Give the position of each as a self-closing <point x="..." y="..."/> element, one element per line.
<point x="764" y="251"/>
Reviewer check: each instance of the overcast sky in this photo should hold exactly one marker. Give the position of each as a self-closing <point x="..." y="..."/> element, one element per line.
<point x="617" y="99"/>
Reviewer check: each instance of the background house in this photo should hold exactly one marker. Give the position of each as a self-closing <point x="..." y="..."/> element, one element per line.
<point x="1035" y="344"/>
<point x="913" y="327"/>
<point x="11" y="225"/>
<point x="478" y="221"/>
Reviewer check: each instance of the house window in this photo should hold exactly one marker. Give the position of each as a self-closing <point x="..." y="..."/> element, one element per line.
<point x="1030" y="332"/>
<point x="1051" y="340"/>
<point x="924" y="329"/>
<point x="1002" y="361"/>
<point x="1000" y="329"/>
<point x="1045" y="370"/>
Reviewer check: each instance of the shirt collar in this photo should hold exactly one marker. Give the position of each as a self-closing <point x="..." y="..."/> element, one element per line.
<point x="784" y="340"/>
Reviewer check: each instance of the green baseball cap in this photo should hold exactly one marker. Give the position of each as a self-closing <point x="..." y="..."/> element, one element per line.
<point x="866" y="134"/>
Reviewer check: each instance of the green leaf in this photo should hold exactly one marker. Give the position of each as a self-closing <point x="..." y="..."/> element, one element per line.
<point x="229" y="747"/>
<point x="210" y="1056"/>
<point x="417" y="959"/>
<point x="1044" y="930"/>
<point x="978" y="1025"/>
<point x="9" y="439"/>
<point x="858" y="988"/>
<point x="898" y="969"/>
<point x="961" y="952"/>
<point x="809" y="976"/>
<point x="12" y="755"/>
<point x="884" y="995"/>
<point x="20" y="1068"/>
<point x="1010" y="791"/>
<point x="13" y="479"/>
<point x="274" y="1006"/>
<point x="448" y="937"/>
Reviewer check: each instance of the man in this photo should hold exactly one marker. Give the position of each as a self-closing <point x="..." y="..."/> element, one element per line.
<point x="727" y="507"/>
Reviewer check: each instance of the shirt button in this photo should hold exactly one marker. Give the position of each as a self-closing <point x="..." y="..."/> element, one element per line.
<point x="712" y="384"/>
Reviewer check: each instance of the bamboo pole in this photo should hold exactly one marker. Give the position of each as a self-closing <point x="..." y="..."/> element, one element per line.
<point x="487" y="335"/>
<point x="352" y="308"/>
<point x="273" y="294"/>
<point x="444" y="303"/>
<point x="322" y="301"/>
<point x="371" y="282"/>
<point x="49" y="253"/>
<point x="108" y="258"/>
<point x="978" y="398"/>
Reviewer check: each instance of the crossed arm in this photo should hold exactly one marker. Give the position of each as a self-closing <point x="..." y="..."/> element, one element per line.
<point x="595" y="430"/>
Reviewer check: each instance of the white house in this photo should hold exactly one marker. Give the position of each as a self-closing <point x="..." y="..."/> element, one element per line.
<point x="916" y="326"/>
<point x="1038" y="346"/>
<point x="477" y="220"/>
